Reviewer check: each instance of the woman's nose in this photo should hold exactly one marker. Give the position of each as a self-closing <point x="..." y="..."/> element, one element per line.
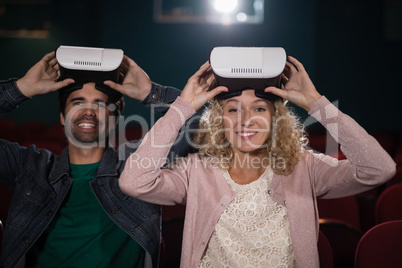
<point x="246" y="119"/>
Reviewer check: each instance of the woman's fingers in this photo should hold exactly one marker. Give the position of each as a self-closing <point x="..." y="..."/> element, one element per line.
<point x="212" y="93"/>
<point x="278" y="92"/>
<point x="296" y="63"/>
<point x="203" y="69"/>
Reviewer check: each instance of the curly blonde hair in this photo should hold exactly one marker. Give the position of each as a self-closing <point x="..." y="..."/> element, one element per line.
<point x="286" y="142"/>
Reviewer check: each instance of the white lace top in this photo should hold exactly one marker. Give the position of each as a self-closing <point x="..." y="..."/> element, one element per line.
<point x="253" y="231"/>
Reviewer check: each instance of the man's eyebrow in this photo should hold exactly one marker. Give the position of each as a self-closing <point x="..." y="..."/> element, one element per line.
<point x="77" y="99"/>
<point x="100" y="100"/>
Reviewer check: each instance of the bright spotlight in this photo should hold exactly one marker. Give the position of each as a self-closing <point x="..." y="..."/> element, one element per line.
<point x="225" y="6"/>
<point x="208" y="11"/>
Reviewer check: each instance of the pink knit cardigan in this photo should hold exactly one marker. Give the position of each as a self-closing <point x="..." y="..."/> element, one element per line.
<point x="200" y="185"/>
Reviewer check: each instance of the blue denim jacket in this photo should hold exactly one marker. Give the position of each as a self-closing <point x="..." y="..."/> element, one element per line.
<point x="41" y="181"/>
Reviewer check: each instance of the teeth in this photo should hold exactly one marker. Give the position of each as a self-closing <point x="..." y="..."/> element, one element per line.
<point x="246" y="134"/>
<point x="86" y="125"/>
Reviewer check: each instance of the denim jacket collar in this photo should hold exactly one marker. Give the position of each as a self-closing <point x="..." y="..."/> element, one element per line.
<point x="61" y="167"/>
<point x="107" y="166"/>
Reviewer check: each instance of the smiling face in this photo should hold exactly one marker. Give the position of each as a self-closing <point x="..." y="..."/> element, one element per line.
<point x="86" y="116"/>
<point x="247" y="122"/>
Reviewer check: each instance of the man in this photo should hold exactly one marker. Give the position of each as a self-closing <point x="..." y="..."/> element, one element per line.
<point x="67" y="210"/>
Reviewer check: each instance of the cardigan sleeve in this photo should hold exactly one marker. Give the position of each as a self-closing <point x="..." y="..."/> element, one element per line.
<point x="367" y="165"/>
<point x="143" y="176"/>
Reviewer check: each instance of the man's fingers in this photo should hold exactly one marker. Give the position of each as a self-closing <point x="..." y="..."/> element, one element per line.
<point x="64" y="83"/>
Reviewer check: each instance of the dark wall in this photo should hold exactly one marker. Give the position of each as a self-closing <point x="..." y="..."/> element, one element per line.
<point x="358" y="60"/>
<point x="341" y="44"/>
<point x="69" y="22"/>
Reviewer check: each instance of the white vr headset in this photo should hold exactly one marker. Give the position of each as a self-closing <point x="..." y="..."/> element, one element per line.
<point x="89" y="58"/>
<point x="240" y="68"/>
<point x="89" y="64"/>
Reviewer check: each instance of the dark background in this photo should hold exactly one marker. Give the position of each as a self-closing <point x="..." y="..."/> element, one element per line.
<point x="351" y="49"/>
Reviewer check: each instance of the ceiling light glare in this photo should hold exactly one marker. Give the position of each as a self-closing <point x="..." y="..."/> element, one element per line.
<point x="258" y="5"/>
<point x="241" y="17"/>
<point x="225" y="6"/>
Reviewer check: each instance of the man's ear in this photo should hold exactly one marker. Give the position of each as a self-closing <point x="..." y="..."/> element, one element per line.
<point x="61" y="118"/>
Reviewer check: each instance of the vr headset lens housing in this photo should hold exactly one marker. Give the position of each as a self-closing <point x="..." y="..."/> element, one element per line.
<point x="85" y="64"/>
<point x="241" y="68"/>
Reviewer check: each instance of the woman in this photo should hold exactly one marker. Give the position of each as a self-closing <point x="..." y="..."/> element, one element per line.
<point x="250" y="192"/>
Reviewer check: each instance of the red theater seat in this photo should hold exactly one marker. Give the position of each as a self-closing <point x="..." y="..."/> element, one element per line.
<point x="325" y="252"/>
<point x="343" y="239"/>
<point x="381" y="246"/>
<point x="389" y="204"/>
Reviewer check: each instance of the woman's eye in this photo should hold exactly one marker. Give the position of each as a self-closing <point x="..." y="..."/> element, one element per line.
<point x="232" y="110"/>
<point x="260" y="109"/>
